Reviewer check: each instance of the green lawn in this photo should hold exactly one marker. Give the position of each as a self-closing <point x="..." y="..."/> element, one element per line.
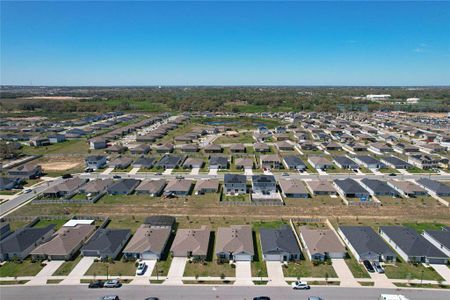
<point x="26" y="268"/>
<point x="209" y="268"/>
<point x="45" y="223"/>
<point x="68" y="147"/>
<point x="420" y="227"/>
<point x="305" y="268"/>
<point x="162" y="267"/>
<point x="404" y="270"/>
<point x="67" y="267"/>
<point x="117" y="268"/>
<point x="243" y="138"/>
<point x="356" y="268"/>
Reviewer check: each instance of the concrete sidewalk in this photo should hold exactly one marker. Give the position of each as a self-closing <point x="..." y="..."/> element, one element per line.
<point x="78" y="272"/>
<point x="133" y="171"/>
<point x="45" y="273"/>
<point x="275" y="274"/>
<point x="176" y="271"/>
<point x="195" y="171"/>
<point x="381" y="281"/>
<point x="442" y="270"/>
<point x="107" y="171"/>
<point x="343" y="272"/>
<point x="167" y="171"/>
<point x="243" y="273"/>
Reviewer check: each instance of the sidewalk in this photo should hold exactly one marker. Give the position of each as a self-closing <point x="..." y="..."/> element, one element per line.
<point x="78" y="272"/>
<point x="343" y="272"/>
<point x="243" y="273"/>
<point x="45" y="273"/>
<point x="176" y="271"/>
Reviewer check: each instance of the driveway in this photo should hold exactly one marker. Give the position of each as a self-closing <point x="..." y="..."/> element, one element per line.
<point x="243" y="273"/>
<point x="248" y="171"/>
<point x="381" y="281"/>
<point x="195" y="171"/>
<point x="442" y="270"/>
<point x="167" y="171"/>
<point x="144" y="279"/>
<point x="176" y="271"/>
<point x="80" y="269"/>
<point x="212" y="172"/>
<point x="107" y="171"/>
<point x="133" y="171"/>
<point x="45" y="273"/>
<point x="275" y="273"/>
<point x="343" y="272"/>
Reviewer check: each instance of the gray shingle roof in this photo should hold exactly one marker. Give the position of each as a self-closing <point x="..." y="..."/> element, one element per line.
<point x="442" y="236"/>
<point x="107" y="240"/>
<point x="378" y="186"/>
<point x="23" y="238"/>
<point x="350" y="186"/>
<point x="364" y="239"/>
<point x="434" y="185"/>
<point x="293" y="161"/>
<point x="278" y="240"/>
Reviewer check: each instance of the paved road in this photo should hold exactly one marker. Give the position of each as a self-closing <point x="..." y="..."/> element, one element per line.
<point x="210" y="292"/>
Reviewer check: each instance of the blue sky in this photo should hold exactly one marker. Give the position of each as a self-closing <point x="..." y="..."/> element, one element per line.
<point x="225" y="43"/>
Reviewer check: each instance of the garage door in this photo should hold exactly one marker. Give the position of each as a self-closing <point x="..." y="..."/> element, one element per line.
<point x="273" y="257"/>
<point x="149" y="256"/>
<point x="242" y="257"/>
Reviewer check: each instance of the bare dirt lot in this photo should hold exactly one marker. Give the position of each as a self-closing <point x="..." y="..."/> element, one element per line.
<point x="59" y="165"/>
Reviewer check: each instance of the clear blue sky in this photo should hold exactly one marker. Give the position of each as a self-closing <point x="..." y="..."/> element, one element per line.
<point x="220" y="43"/>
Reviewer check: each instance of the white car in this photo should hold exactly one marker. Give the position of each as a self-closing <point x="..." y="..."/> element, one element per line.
<point x="300" y="285"/>
<point x="141" y="268"/>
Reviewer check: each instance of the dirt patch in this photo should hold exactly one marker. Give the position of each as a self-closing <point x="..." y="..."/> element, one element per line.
<point x="59" y="165"/>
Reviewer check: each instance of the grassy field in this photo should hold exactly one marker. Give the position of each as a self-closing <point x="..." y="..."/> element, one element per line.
<point x="244" y="138"/>
<point x="67" y="267"/>
<point x="79" y="146"/>
<point x="44" y="223"/>
<point x="404" y="270"/>
<point x="26" y="268"/>
<point x="116" y="268"/>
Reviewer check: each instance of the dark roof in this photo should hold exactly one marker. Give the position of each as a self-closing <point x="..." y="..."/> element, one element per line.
<point x="442" y="236"/>
<point x="350" y="186"/>
<point x="345" y="161"/>
<point x="394" y="160"/>
<point x="368" y="159"/>
<point x="277" y="240"/>
<point x="218" y="160"/>
<point x="292" y="160"/>
<point x="169" y="160"/>
<point x="410" y="242"/>
<point x="378" y="186"/>
<point x="144" y="161"/>
<point x="123" y="185"/>
<point x="435" y="186"/>
<point x="364" y="239"/>
<point x="107" y="240"/>
<point x="263" y="178"/>
<point x="160" y="221"/>
<point x="234" y="178"/>
<point x="23" y="238"/>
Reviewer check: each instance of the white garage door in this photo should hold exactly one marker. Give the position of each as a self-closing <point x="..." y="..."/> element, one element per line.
<point x="242" y="257"/>
<point x="273" y="257"/>
<point x="149" y="256"/>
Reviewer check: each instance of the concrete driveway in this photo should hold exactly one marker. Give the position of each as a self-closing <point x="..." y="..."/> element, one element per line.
<point x="144" y="279"/>
<point x="381" y="281"/>
<point x="133" y="171"/>
<point x="243" y="273"/>
<point x="195" y="171"/>
<point x="107" y="171"/>
<point x="80" y="269"/>
<point x="45" y="273"/>
<point x="248" y="171"/>
<point x="275" y="273"/>
<point x="176" y="271"/>
<point x="442" y="270"/>
<point x="343" y="272"/>
<point x="212" y="172"/>
<point x="167" y="171"/>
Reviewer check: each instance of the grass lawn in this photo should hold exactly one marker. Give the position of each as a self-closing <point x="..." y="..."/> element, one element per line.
<point x="68" y="147"/>
<point x="162" y="267"/>
<point x="404" y="270"/>
<point x="26" y="268"/>
<point x="11" y="282"/>
<point x="356" y="268"/>
<point x="416" y="170"/>
<point x="420" y="227"/>
<point x="10" y="192"/>
<point x="209" y="268"/>
<point x="117" y="268"/>
<point x="258" y="266"/>
<point x="244" y="138"/>
<point x="67" y="267"/>
<point x="305" y="268"/>
<point x="45" y="223"/>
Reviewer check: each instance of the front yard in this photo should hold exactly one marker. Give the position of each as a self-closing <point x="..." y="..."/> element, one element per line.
<point x="115" y="268"/>
<point x="404" y="270"/>
<point x="26" y="268"/>
<point x="306" y="268"/>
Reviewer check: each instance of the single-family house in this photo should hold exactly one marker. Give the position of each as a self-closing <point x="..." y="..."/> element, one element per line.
<point x="97" y="143"/>
<point x="95" y="186"/>
<point x="123" y="186"/>
<point x="261" y="147"/>
<point x="178" y="187"/>
<point x="106" y="243"/>
<point x="294" y="162"/>
<point x="284" y="146"/>
<point x="293" y="188"/>
<point x="218" y="162"/>
<point x="235" y="184"/>
<point x="120" y="162"/>
<point x="95" y="161"/>
<point x="65" y="188"/>
<point x="378" y="187"/>
<point x="204" y="186"/>
<point x="165" y="148"/>
<point x="344" y="162"/>
<point x="264" y="184"/>
<point x="191" y="243"/>
<point x="26" y="171"/>
<point x="153" y="188"/>
<point x="440" y="239"/>
<point x="350" y="188"/>
<point x="144" y="162"/>
<point x="369" y="162"/>
<point x="244" y="163"/>
<point x="434" y="186"/>
<point x="395" y="162"/>
<point x="212" y="148"/>
<point x="380" y="148"/>
<point x="321" y="244"/>
<point x="237" y="148"/>
<point x="424" y="161"/>
<point x="189" y="148"/>
<point x="147" y="243"/>
<point x="140" y="149"/>
<point x="320" y="162"/>
<point x="56" y="138"/>
<point x="407" y="188"/>
<point x="321" y="187"/>
<point x="169" y="161"/>
<point x="271" y="161"/>
<point x="279" y="244"/>
<point x="160" y="221"/>
<point x="234" y="243"/>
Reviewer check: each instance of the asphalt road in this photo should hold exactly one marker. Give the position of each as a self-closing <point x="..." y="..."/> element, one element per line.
<point x="210" y="292"/>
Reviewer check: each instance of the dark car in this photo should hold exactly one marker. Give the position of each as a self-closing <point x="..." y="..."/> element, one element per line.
<point x="392" y="174"/>
<point x="152" y="298"/>
<point x="66" y="176"/>
<point x="261" y="298"/>
<point x="96" y="284"/>
<point x="369" y="266"/>
<point x="117" y="177"/>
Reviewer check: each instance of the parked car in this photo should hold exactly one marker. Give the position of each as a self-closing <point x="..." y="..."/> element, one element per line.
<point x="392" y="174"/>
<point x="113" y="283"/>
<point x="96" y="284"/>
<point x="117" y="177"/>
<point x="141" y="268"/>
<point x="300" y="285"/>
<point x="285" y="174"/>
<point x="261" y="298"/>
<point x="89" y="170"/>
<point x="152" y="298"/>
<point x="368" y="266"/>
<point x="158" y="174"/>
<point x="179" y="177"/>
<point x="27" y="191"/>
<point x="315" y="298"/>
<point x="66" y="176"/>
<point x="377" y="266"/>
<point x="109" y="297"/>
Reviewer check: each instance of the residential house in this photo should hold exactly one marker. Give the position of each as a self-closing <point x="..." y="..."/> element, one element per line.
<point x="192" y="162"/>
<point x="191" y="243"/>
<point x="404" y="148"/>
<point x="218" y="162"/>
<point x="213" y="148"/>
<point x="321" y="244"/>
<point x="321" y="187"/>
<point x="20" y="243"/>
<point x="26" y="171"/>
<point x="261" y="147"/>
<point x="285" y="146"/>
<point x="440" y="239"/>
<point x="123" y="186"/>
<point x="411" y="246"/>
<point x="7" y="183"/>
<point x="144" y="162"/>
<point x="97" y="143"/>
<point x="116" y="149"/>
<point x="121" y="163"/>
<point x="160" y="221"/>
<point x="204" y="186"/>
<point x="65" y="188"/>
<point x="65" y="243"/>
<point x="424" y="161"/>
<point x="56" y="138"/>
<point x="293" y="188"/>
<point x="106" y="243"/>
<point x="235" y="243"/>
<point x="95" y="161"/>
<point x="366" y="244"/>
<point x="355" y="147"/>
<point x="407" y="188"/>
<point x="331" y="146"/>
<point x="369" y="162"/>
<point x="178" y="187"/>
<point x="434" y="186"/>
<point x="5" y="230"/>
<point x="147" y="243"/>
<point x="95" y="186"/>
<point x="264" y="184"/>
<point x="279" y="244"/>
<point x="320" y="162"/>
<point x="244" y="163"/>
<point x="308" y="146"/>
<point x="235" y="184"/>
<point x="39" y="141"/>
<point x="379" y="188"/>
<point x="271" y="161"/>
<point x="169" y="161"/>
<point x="237" y="148"/>
<point x="165" y="148"/>
<point x="153" y="188"/>
<point x="395" y="162"/>
<point x="351" y="189"/>
<point x="140" y="149"/>
<point x="189" y="148"/>
<point x="344" y="162"/>
<point x="294" y="162"/>
<point x="433" y="148"/>
<point x="380" y="148"/>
